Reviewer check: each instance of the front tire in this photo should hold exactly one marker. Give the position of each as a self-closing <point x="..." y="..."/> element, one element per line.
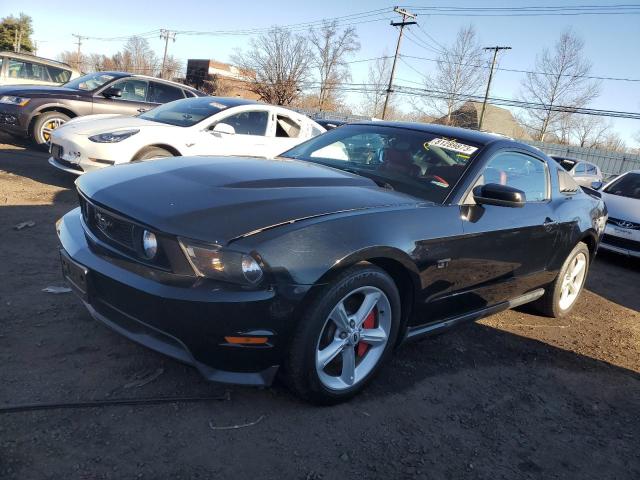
<point x="151" y="153"/>
<point x="44" y="125"/>
<point x="562" y="294"/>
<point x="344" y="336"/>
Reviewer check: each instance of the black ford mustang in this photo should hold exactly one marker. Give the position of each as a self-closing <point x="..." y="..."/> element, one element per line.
<point x="319" y="262"/>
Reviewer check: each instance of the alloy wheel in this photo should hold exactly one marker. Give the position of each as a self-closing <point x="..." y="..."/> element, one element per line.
<point x="49" y="126"/>
<point x="572" y="281"/>
<point x="353" y="338"/>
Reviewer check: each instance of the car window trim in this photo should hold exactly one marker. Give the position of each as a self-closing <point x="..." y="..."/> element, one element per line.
<point x="468" y="191"/>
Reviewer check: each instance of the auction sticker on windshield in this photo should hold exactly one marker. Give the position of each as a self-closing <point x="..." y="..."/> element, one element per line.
<point x="452" y="145"/>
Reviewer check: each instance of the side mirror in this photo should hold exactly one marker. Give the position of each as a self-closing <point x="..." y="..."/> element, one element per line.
<point x="500" y="195"/>
<point x="597" y="185"/>
<point x="224" y="128"/>
<point x="112" y="92"/>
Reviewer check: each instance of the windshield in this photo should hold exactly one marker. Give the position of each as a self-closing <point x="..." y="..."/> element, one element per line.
<point x="184" y="113"/>
<point x="626" y="186"/>
<point x="414" y="162"/>
<point x="89" y="82"/>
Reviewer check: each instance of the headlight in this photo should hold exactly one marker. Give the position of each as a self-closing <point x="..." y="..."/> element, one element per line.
<point x="215" y="262"/>
<point x="149" y="244"/>
<point x="113" y="137"/>
<point x="11" y="100"/>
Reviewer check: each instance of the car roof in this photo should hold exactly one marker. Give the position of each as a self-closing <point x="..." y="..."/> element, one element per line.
<point x="118" y="74"/>
<point x="30" y="56"/>
<point x="464" y="134"/>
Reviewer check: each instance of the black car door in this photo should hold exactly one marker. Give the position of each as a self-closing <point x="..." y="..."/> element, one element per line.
<point x="505" y="250"/>
<point x="132" y="102"/>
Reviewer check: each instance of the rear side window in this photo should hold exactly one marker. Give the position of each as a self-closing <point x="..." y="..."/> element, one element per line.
<point x="58" y="75"/>
<point x="285" y="127"/>
<point x="519" y="171"/>
<point x="591" y="169"/>
<point x="162" y="93"/>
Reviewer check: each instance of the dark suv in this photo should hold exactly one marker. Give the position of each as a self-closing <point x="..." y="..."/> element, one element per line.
<point x="33" y="111"/>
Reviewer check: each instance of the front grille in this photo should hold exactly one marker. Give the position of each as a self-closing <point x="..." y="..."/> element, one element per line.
<point x="624" y="223"/>
<point x="110" y="228"/>
<point x="124" y="236"/>
<point x="57" y="151"/>
<point x="621" y="242"/>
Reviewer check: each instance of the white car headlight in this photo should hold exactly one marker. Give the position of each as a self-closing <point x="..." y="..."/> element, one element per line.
<point x="215" y="262"/>
<point x="11" y="100"/>
<point x="113" y="137"/>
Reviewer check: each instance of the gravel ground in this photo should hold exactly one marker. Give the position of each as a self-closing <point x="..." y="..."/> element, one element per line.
<point x="513" y="396"/>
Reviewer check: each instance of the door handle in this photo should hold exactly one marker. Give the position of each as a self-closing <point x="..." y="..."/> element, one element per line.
<point x="142" y="110"/>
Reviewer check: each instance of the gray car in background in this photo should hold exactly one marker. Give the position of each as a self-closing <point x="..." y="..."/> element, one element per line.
<point x="584" y="173"/>
<point x="34" y="111"/>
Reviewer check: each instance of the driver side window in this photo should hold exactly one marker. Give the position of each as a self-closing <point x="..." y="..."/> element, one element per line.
<point x="133" y="90"/>
<point x="519" y="171"/>
<point x="248" y="123"/>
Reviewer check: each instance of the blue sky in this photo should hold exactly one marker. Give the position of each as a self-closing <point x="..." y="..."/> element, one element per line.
<point x="611" y="41"/>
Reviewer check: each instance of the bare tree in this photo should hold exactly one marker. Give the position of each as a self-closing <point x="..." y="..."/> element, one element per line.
<point x="172" y="67"/>
<point x="138" y="57"/>
<point x="278" y="63"/>
<point x="589" y="131"/>
<point x="460" y="72"/>
<point x="331" y="47"/>
<point x="560" y="81"/>
<point x="377" y="83"/>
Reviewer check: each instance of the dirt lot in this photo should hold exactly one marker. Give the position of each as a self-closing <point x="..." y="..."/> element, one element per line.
<point x="513" y="396"/>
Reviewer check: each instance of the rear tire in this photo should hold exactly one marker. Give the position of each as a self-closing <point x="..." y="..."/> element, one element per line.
<point x="333" y="356"/>
<point x="151" y="153"/>
<point x="562" y="294"/>
<point x="44" y="124"/>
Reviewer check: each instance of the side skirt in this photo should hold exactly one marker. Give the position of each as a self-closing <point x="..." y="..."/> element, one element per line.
<point x="433" y="328"/>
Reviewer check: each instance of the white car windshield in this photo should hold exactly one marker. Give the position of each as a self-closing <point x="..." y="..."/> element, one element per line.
<point x="89" y="82"/>
<point x="626" y="186"/>
<point x="184" y="113"/>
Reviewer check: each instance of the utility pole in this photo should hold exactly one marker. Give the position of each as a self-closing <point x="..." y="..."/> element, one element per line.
<point x="405" y="14"/>
<point x="78" y="54"/>
<point x="166" y="35"/>
<point x="495" y="49"/>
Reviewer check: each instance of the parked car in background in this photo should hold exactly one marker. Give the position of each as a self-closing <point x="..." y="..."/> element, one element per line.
<point x="27" y="69"/>
<point x="194" y="126"/>
<point x="584" y="173"/>
<point x="329" y="124"/>
<point x="622" y="198"/>
<point x="35" y="111"/>
<point x="320" y="262"/>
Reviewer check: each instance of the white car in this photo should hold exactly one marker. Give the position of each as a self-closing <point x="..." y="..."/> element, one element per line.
<point x="622" y="198"/>
<point x="193" y="126"/>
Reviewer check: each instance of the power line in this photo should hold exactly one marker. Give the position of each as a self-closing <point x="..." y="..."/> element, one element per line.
<point x="514" y="70"/>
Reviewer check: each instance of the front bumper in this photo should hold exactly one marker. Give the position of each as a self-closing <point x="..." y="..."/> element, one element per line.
<point x="14" y="120"/>
<point x="621" y="240"/>
<point x="186" y="319"/>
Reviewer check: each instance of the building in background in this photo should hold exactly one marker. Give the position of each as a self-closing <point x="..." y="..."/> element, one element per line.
<point x="496" y="120"/>
<point x="217" y="78"/>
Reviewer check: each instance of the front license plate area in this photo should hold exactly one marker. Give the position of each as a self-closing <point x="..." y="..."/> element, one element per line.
<point x="75" y="274"/>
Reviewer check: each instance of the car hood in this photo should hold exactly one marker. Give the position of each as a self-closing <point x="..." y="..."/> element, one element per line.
<point x="94" y="124"/>
<point x="622" y="208"/>
<point x="40" y="91"/>
<point x="219" y="199"/>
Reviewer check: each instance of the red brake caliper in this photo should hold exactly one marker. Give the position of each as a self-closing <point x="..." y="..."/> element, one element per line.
<point x="369" y="322"/>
